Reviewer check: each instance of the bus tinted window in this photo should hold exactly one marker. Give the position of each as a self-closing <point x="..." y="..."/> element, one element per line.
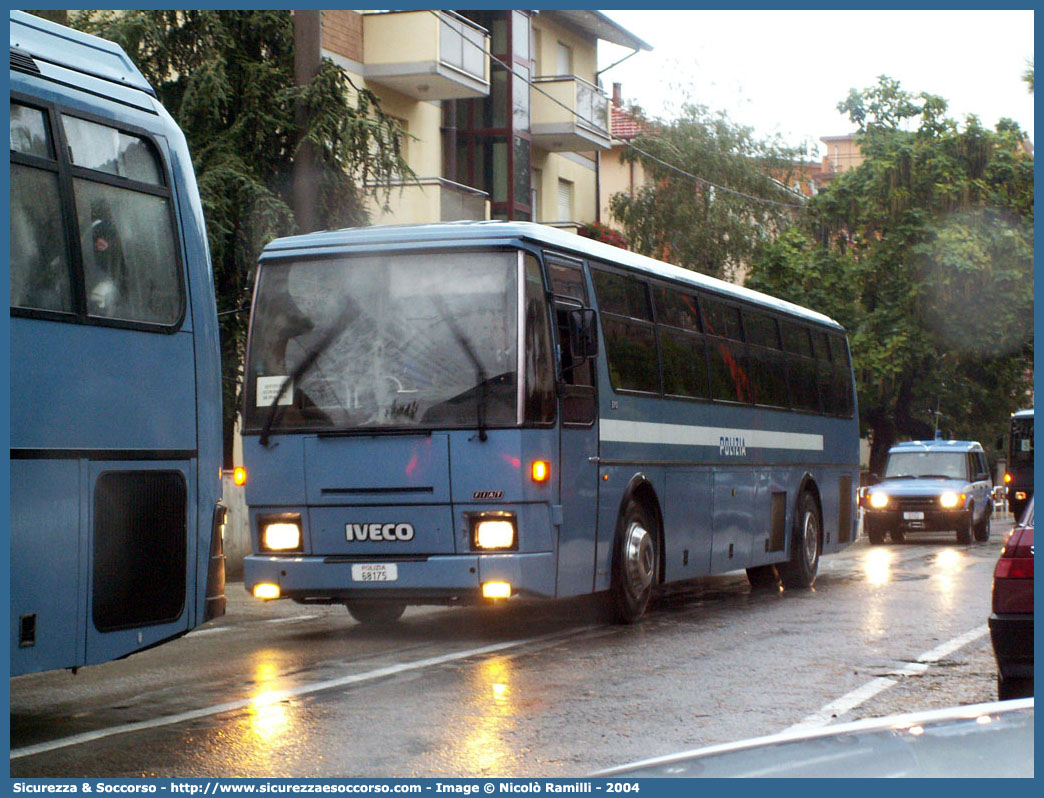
<point x="539" y="371"/>
<point x="631" y="351"/>
<point x="127" y="243"/>
<point x="112" y="151"/>
<point x="820" y="346"/>
<point x="29" y="133"/>
<point x="768" y="376"/>
<point x="684" y="363"/>
<point x="39" y="262"/>
<point x="721" y="319"/>
<point x="676" y="308"/>
<point x="761" y="329"/>
<point x="624" y="296"/>
<point x="795" y="339"/>
<point x="802" y="381"/>
<point x="729" y="379"/>
<point x="567" y="281"/>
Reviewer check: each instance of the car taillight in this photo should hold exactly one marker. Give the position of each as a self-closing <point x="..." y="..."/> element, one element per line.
<point x="1013" y="576"/>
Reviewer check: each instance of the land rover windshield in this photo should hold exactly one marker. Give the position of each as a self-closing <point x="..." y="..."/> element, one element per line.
<point x="408" y="340"/>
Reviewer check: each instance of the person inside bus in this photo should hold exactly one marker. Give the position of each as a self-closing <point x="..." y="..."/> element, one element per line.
<point x="105" y="268"/>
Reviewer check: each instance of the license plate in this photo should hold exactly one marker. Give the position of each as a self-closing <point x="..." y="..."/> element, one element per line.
<point x="917" y="516"/>
<point x="375" y="572"/>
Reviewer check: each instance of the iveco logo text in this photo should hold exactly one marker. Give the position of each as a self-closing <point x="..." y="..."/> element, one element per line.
<point x="732" y="446"/>
<point x="378" y="532"/>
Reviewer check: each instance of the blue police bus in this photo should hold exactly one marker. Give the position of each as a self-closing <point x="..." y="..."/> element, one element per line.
<point x="457" y="412"/>
<point x="115" y="365"/>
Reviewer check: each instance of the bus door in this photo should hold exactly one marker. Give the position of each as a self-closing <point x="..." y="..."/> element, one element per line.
<point x="578" y="442"/>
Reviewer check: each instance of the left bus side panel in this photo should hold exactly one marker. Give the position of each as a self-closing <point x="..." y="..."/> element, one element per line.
<point x="47" y="605"/>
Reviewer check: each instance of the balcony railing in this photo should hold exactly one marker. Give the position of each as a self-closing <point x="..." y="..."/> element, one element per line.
<point x="427" y="55"/>
<point x="433" y="199"/>
<point x="578" y="122"/>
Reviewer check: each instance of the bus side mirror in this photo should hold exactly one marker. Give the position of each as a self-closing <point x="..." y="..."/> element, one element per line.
<point x="583" y="333"/>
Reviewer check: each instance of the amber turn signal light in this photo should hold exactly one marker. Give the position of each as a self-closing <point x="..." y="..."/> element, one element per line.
<point x="239" y="476"/>
<point x="540" y="471"/>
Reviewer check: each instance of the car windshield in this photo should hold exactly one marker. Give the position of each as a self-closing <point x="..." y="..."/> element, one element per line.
<point x="947" y="465"/>
<point x="405" y="340"/>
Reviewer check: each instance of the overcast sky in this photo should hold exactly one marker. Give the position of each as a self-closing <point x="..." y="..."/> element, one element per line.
<point x="786" y="71"/>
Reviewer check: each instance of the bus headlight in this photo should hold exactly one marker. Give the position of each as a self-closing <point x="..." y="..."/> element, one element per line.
<point x="949" y="499"/>
<point x="878" y="500"/>
<point x="493" y="532"/>
<point x="281" y="534"/>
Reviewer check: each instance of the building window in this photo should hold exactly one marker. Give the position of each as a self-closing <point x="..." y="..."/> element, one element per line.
<point x="565" y="200"/>
<point x="564" y="62"/>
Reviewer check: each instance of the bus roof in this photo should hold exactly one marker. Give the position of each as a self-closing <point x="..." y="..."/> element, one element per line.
<point x="49" y="42"/>
<point x="492" y="232"/>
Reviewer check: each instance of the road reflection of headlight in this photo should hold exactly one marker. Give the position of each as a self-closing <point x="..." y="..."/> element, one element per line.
<point x="877" y="565"/>
<point x="268" y="716"/>
<point x="948" y="559"/>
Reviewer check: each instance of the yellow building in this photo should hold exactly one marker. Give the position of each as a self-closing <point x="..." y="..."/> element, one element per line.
<point x="483" y="142"/>
<point x="842" y="154"/>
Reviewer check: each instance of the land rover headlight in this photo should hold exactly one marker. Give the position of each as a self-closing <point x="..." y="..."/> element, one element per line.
<point x="281" y="534"/>
<point x="879" y="500"/>
<point x="949" y="499"/>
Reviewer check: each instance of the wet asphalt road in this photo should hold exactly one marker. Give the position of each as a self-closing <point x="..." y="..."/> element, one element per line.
<point x="523" y="689"/>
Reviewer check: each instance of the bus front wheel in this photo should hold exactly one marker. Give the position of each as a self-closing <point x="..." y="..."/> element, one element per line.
<point x="800" y="570"/>
<point x="374" y="613"/>
<point x="635" y="560"/>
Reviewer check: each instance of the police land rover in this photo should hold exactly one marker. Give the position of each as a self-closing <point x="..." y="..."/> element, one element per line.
<point x="931" y="486"/>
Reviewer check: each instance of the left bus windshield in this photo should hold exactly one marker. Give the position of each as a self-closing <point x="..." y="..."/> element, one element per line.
<point x="409" y="340"/>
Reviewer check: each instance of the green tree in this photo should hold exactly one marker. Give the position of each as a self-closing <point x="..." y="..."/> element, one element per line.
<point x="925" y="253"/>
<point x="227" y="78"/>
<point x="717" y="224"/>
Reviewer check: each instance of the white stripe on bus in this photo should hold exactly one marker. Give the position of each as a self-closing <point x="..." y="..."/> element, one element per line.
<point x="611" y="430"/>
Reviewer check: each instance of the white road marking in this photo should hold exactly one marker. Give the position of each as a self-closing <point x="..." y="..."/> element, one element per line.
<point x="860" y="695"/>
<point x="292" y="619"/>
<point x="293" y="692"/>
<point x="211" y="631"/>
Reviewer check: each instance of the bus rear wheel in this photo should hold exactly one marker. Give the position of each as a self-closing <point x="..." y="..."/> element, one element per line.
<point x="370" y="612"/>
<point x="801" y="569"/>
<point x="635" y="559"/>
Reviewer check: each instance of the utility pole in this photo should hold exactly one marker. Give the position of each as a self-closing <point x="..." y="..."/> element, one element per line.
<point x="307" y="43"/>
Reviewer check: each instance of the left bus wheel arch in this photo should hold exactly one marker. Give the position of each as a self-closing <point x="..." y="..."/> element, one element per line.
<point x="641" y="490"/>
<point x="808" y="485"/>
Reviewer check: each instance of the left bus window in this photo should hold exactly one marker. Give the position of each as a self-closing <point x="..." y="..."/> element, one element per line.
<point x="128" y="254"/>
<point x="39" y="262"/>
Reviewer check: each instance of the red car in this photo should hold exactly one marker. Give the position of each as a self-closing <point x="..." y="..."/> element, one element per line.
<point x="1011" y="623"/>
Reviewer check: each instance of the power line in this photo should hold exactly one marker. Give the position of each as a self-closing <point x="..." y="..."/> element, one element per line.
<point x="639" y="150"/>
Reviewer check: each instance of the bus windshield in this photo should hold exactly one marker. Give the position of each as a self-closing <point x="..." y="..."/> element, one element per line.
<point x="408" y="340"/>
<point x="1022" y="441"/>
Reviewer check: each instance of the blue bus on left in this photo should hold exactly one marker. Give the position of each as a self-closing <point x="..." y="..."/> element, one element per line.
<point x="116" y="513"/>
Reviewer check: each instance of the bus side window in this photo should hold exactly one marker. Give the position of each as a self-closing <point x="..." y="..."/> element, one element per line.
<point x="577" y="374"/>
<point x="40" y="277"/>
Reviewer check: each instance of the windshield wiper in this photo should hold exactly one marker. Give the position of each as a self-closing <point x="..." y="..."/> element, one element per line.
<point x="313" y="354"/>
<point x="480" y="372"/>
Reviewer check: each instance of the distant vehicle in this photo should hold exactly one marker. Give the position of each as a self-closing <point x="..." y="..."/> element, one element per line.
<point x="977" y="741"/>
<point x="1011" y="623"/>
<point x="115" y="364"/>
<point x="931" y="485"/>
<point x="429" y="419"/>
<point x="1019" y="474"/>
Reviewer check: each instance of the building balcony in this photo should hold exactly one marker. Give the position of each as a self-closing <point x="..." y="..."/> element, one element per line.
<point x="581" y="125"/>
<point x="433" y="199"/>
<point x="427" y="55"/>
